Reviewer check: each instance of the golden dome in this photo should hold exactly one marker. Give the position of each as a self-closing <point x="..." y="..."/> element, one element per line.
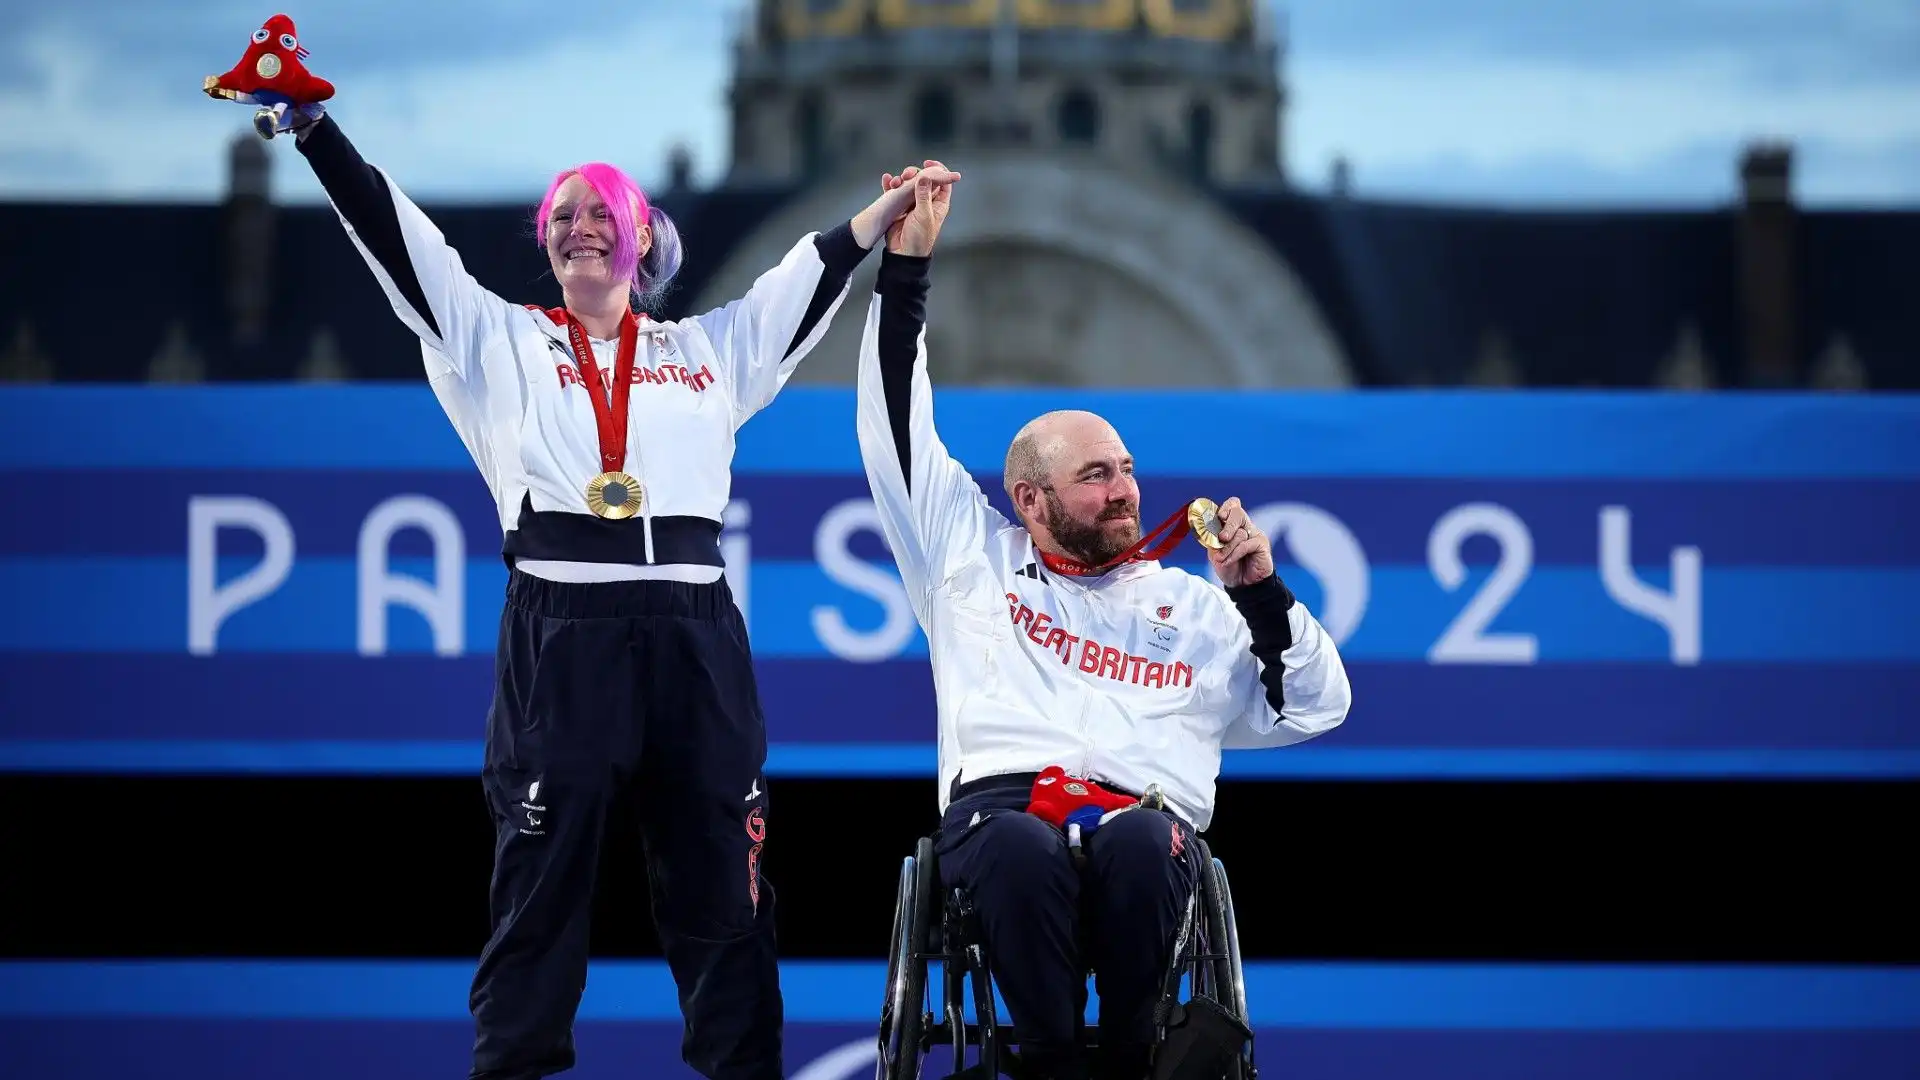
<point x="1206" y="20"/>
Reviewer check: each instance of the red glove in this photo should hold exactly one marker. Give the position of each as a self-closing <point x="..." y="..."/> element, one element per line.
<point x="1057" y="795"/>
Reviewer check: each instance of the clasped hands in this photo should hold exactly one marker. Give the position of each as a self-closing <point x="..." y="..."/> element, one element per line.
<point x="914" y="205"/>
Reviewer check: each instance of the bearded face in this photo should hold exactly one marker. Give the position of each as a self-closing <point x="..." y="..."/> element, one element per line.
<point x="1071" y="481"/>
<point x="1097" y="533"/>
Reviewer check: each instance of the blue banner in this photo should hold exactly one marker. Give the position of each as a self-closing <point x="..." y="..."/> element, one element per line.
<point x="295" y="1020"/>
<point x="307" y="579"/>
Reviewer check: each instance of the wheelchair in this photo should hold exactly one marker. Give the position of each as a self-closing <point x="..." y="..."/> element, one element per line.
<point x="932" y="926"/>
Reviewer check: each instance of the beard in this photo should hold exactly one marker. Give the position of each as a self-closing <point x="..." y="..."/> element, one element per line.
<point x="1091" y="542"/>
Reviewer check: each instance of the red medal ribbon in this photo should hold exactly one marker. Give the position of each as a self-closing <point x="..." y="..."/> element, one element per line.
<point x="611" y="417"/>
<point x="1060" y="564"/>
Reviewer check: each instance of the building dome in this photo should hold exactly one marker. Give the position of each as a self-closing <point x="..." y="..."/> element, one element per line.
<point x="1202" y="20"/>
<point x="1092" y="134"/>
<point x="832" y="85"/>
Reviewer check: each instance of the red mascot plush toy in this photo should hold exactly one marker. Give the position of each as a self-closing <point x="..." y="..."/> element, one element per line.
<point x="1075" y="807"/>
<point x="273" y="75"/>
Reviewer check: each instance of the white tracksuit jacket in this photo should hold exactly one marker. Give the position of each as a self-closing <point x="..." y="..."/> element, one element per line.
<point x="1139" y="676"/>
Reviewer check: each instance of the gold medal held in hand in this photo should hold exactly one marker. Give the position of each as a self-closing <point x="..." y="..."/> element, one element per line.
<point x="1203" y="515"/>
<point x="614" y="495"/>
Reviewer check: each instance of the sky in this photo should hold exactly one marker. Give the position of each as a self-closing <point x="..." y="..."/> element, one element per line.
<point x="1506" y="102"/>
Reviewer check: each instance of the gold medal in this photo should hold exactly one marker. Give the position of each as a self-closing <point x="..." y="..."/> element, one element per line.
<point x="615" y="496"/>
<point x="1203" y="516"/>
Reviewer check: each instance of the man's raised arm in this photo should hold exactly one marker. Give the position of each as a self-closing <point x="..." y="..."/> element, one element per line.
<point x="931" y="510"/>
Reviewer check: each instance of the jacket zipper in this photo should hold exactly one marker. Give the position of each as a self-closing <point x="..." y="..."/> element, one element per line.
<point x="1093" y="600"/>
<point x="1086" y="753"/>
<point x="637" y="465"/>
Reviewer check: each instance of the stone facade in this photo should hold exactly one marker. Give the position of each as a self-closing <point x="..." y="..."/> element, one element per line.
<point x="1084" y="250"/>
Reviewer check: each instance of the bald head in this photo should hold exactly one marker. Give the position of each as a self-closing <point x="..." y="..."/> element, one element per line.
<point x="1071" y="482"/>
<point x="1055" y="446"/>
<point x="1037" y="448"/>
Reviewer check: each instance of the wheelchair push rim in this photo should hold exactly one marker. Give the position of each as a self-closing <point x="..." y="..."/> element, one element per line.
<point x="899" y="1050"/>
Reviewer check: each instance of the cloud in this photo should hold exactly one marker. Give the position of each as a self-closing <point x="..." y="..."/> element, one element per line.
<point x="445" y="126"/>
<point x="1642" y="100"/>
<point x="625" y="95"/>
<point x="1790" y="40"/>
<point x="347" y="37"/>
<point x="43" y="161"/>
<point x="1690" y="177"/>
<point x="1436" y="120"/>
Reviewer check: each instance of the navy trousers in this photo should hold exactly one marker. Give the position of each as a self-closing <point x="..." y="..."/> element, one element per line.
<point x="626" y="697"/>
<point x="1046" y="922"/>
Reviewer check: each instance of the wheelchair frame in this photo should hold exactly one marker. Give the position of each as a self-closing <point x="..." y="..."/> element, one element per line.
<point x="930" y="926"/>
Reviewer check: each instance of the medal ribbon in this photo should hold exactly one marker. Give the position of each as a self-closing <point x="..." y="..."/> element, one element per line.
<point x="611" y="417"/>
<point x="1140" y="552"/>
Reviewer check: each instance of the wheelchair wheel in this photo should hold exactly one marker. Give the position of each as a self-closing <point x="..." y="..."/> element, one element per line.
<point x="1196" y="1039"/>
<point x="903" y="1011"/>
<point x="1223" y="941"/>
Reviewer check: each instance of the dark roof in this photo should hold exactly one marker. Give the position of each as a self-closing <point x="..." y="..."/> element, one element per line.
<point x="1578" y="298"/>
<point x="1859" y="272"/>
<point x="1412" y="291"/>
<point x="170" y="261"/>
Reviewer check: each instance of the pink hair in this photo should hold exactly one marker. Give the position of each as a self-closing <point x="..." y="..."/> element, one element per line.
<point x="627" y="208"/>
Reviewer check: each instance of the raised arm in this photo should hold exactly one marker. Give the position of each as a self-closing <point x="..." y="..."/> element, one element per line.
<point x="422" y="276"/>
<point x="1287" y="670"/>
<point x="931" y="511"/>
<point x="762" y="337"/>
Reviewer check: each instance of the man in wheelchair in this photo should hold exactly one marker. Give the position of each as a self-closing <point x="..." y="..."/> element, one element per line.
<point x="1074" y="674"/>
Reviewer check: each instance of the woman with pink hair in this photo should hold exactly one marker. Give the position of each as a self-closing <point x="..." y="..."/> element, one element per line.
<point x="624" y="680"/>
